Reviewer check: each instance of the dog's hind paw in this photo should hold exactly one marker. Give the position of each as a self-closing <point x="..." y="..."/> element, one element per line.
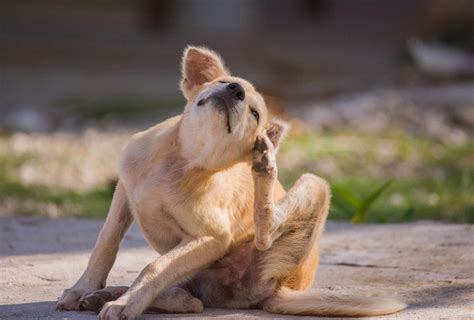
<point x="114" y="310"/>
<point x="94" y="301"/>
<point x="264" y="158"/>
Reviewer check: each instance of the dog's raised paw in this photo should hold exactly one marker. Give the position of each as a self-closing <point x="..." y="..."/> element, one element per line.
<point x="264" y="158"/>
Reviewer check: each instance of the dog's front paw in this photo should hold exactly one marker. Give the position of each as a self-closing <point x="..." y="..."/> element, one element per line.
<point x="264" y="158"/>
<point x="70" y="299"/>
<point x="113" y="311"/>
<point x="118" y="310"/>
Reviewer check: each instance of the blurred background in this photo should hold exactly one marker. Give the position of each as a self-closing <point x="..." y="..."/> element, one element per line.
<point x="380" y="95"/>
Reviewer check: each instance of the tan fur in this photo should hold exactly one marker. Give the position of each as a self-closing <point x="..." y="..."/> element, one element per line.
<point x="316" y="304"/>
<point x="201" y="186"/>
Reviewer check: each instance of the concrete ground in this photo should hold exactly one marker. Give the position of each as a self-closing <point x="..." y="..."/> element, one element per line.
<point x="428" y="265"/>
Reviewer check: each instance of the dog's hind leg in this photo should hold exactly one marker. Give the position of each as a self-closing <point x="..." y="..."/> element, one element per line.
<point x="290" y="229"/>
<point x="175" y="300"/>
<point x="172" y="300"/>
<point x="296" y="221"/>
<point x="291" y="261"/>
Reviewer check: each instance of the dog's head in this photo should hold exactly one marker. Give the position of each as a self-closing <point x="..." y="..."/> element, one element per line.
<point x="223" y="115"/>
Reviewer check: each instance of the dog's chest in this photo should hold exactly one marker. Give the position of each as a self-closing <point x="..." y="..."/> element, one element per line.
<point x="161" y="232"/>
<point x="167" y="218"/>
<point x="157" y="225"/>
<point x="171" y="205"/>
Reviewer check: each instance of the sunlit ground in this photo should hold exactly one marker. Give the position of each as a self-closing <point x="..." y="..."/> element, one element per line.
<point x="73" y="174"/>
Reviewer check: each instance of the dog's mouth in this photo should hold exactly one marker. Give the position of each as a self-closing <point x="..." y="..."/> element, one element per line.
<point x="224" y="105"/>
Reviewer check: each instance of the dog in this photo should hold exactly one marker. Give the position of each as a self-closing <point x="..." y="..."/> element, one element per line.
<point x="203" y="188"/>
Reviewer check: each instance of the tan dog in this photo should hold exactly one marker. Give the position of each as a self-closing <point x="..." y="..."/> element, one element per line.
<point x="203" y="188"/>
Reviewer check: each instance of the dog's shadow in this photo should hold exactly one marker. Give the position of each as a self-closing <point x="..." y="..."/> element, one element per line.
<point x="447" y="295"/>
<point x="443" y="296"/>
<point x="46" y="310"/>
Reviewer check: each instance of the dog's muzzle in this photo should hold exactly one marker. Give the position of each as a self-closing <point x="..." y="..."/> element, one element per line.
<point x="235" y="91"/>
<point x="228" y="100"/>
<point x="228" y="96"/>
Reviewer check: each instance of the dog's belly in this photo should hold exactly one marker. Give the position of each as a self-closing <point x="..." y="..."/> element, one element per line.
<point x="233" y="281"/>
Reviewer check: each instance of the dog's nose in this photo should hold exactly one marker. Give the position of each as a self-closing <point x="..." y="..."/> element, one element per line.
<point x="236" y="91"/>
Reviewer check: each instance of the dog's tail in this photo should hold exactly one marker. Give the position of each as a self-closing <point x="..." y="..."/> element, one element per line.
<point x="292" y="302"/>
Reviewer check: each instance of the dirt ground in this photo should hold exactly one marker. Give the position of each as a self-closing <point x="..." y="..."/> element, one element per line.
<point x="428" y="265"/>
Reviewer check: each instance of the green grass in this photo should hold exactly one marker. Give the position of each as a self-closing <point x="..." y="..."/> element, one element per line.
<point x="430" y="180"/>
<point x="32" y="200"/>
<point x="347" y="201"/>
<point x="426" y="199"/>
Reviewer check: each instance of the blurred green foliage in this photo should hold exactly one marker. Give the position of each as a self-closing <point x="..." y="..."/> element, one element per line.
<point x="345" y="200"/>
<point x="431" y="180"/>
<point x="392" y="177"/>
<point x="35" y="200"/>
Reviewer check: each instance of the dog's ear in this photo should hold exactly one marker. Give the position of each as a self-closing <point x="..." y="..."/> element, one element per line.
<point x="276" y="131"/>
<point x="200" y="65"/>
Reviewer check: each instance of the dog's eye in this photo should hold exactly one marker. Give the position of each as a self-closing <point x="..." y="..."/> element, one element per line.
<point x="222" y="81"/>
<point x="255" y="114"/>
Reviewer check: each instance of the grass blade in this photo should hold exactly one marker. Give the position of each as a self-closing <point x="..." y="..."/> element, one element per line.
<point x="360" y="215"/>
<point x="347" y="196"/>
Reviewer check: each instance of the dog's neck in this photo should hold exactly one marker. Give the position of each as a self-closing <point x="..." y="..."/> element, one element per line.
<point x="202" y="151"/>
<point x="194" y="181"/>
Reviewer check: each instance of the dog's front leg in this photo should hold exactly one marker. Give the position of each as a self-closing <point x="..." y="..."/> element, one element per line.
<point x="103" y="256"/>
<point x="169" y="269"/>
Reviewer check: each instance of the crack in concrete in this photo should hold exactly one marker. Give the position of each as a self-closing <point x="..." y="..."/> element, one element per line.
<point x="357" y="265"/>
